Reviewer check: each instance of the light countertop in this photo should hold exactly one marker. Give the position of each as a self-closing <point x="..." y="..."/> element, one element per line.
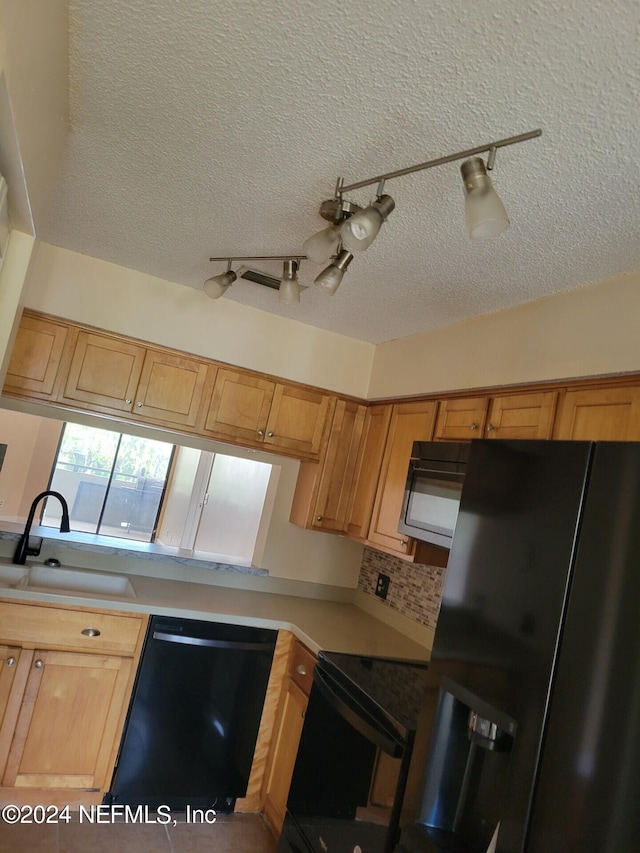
<point x="320" y="624"/>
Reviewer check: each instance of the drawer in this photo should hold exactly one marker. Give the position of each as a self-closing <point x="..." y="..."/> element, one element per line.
<point x="301" y="669"/>
<point x="32" y="625"/>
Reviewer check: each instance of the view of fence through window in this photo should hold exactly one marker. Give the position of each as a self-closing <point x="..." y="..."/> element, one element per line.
<point x="113" y="483"/>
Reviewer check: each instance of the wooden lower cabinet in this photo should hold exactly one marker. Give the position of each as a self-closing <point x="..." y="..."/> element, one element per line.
<point x="284" y="747"/>
<point x="63" y="707"/>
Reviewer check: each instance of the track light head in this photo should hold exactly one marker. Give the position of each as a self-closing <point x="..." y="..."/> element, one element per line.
<point x="484" y="211"/>
<point x="322" y="245"/>
<point x="289" y="290"/>
<point x="218" y="285"/>
<point x="331" y="277"/>
<point x="360" y="230"/>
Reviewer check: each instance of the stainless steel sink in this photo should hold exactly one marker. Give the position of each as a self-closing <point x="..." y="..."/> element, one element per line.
<point x="59" y="579"/>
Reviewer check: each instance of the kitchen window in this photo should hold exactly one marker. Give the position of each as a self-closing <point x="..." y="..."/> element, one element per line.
<point x="114" y="483"/>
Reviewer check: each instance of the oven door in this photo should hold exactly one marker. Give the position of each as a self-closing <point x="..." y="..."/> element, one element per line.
<point x="349" y="777"/>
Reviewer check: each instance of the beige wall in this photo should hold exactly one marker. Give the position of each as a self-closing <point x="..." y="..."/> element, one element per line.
<point x="590" y="331"/>
<point x="34" y="59"/>
<point x="102" y="294"/>
<point x="31" y="446"/>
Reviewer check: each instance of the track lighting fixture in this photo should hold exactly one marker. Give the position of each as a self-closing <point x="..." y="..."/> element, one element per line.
<point x="288" y="286"/>
<point x="484" y="212"/>
<point x="360" y="230"/>
<point x="353" y="228"/>
<point x="218" y="285"/>
<point x="289" y="290"/>
<point x="331" y="277"/>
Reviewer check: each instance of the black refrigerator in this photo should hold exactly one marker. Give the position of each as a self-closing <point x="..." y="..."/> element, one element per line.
<point x="529" y="738"/>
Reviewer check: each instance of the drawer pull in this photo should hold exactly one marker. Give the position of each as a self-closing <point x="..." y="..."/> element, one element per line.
<point x="10" y="661"/>
<point x="39" y="664"/>
<point x="301" y="669"/>
<point x="90" y="632"/>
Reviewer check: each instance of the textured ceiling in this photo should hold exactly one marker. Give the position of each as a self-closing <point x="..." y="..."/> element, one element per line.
<point x="216" y="127"/>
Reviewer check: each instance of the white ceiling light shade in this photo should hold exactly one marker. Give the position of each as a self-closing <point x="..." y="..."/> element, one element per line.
<point x="218" y="285"/>
<point x="322" y="245"/>
<point x="331" y="277"/>
<point x="289" y="290"/>
<point x="485" y="213"/>
<point x="360" y="230"/>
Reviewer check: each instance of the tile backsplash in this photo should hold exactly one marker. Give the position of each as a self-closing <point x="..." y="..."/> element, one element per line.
<point x="414" y="589"/>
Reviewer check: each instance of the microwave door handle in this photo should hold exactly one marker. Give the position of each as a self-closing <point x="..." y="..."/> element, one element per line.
<point x="441" y="475"/>
<point x="371" y="732"/>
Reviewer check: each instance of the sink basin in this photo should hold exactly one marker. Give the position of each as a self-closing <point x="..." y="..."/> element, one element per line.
<point x="48" y="578"/>
<point x="11" y="575"/>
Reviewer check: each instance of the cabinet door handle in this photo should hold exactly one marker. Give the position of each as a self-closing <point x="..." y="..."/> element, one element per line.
<point x="301" y="669"/>
<point x="10" y="661"/>
<point x="38" y="664"/>
<point x="270" y="434"/>
<point x="261" y="433"/>
<point x="490" y="427"/>
<point x="318" y="518"/>
<point x="139" y="404"/>
<point x="128" y="401"/>
<point x="473" y="426"/>
<point x="90" y="632"/>
<point x="403" y="542"/>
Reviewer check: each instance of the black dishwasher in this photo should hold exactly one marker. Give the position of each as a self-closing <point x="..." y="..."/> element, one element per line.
<point x="193" y="720"/>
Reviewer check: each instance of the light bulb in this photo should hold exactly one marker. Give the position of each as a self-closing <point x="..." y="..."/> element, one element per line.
<point x="360" y="230"/>
<point x="289" y="290"/>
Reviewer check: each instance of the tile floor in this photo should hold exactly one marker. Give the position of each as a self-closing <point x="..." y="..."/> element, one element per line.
<point x="241" y="833"/>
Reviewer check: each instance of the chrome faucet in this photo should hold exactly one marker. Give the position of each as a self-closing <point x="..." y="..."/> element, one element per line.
<point x="23" y="550"/>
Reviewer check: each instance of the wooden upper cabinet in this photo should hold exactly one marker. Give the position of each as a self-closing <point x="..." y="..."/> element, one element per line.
<point x="599" y="414"/>
<point x="409" y="422"/>
<point x="171" y="388"/>
<point x="522" y="416"/>
<point x="298" y="420"/>
<point x="323" y="490"/>
<point x="104" y="372"/>
<point x="461" y="419"/>
<point x="114" y="375"/>
<point x="240" y="405"/>
<point x="367" y="474"/>
<point x="35" y="357"/>
<point x="250" y="409"/>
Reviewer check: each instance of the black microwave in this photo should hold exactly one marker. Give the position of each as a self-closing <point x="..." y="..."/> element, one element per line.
<point x="433" y="489"/>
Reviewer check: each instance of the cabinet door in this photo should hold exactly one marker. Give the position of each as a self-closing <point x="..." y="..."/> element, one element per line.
<point x="12" y="676"/>
<point x="374" y="436"/>
<point x="409" y="422"/>
<point x="170" y="389"/>
<point x="240" y="406"/>
<point x="69" y="720"/>
<point x="323" y="490"/>
<point x="522" y="416"/>
<point x="600" y="414"/>
<point x="104" y="373"/>
<point x="462" y="419"/>
<point x="35" y="357"/>
<point x="285" y="749"/>
<point x="298" y="420"/>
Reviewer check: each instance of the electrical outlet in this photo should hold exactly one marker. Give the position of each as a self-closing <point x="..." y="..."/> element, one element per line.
<point x="382" y="586"/>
